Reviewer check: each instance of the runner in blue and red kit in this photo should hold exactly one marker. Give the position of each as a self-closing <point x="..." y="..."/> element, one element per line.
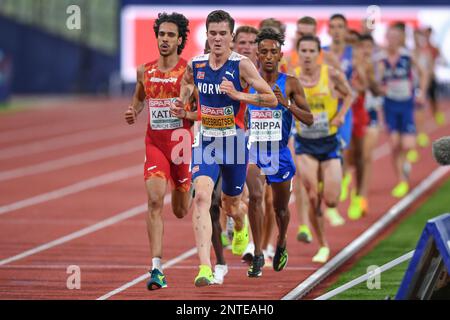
<point x="395" y="69"/>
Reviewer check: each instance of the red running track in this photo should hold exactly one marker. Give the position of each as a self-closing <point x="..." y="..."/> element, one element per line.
<point x="72" y="193"/>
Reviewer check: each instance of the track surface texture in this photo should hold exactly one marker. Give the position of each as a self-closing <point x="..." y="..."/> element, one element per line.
<point x="72" y="193"/>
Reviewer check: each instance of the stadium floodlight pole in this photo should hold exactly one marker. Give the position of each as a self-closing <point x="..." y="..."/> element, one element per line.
<point x="365" y="277"/>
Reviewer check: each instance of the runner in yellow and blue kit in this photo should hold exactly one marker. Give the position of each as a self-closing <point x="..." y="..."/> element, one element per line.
<point x="317" y="147"/>
<point x="270" y="156"/>
<point x="220" y="78"/>
<point x="343" y="53"/>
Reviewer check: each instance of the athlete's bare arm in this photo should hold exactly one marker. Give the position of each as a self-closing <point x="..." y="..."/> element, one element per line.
<point x="186" y="91"/>
<point x="342" y="87"/>
<point x="380" y="72"/>
<point x="264" y="98"/>
<point x="423" y="80"/>
<point x="360" y="82"/>
<point x="295" y="101"/>
<point x="331" y="60"/>
<point x="138" y="97"/>
<point x="372" y="83"/>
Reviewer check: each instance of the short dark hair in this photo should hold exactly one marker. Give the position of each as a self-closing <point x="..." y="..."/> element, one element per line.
<point x="273" y="23"/>
<point x="309" y="38"/>
<point x="353" y="32"/>
<point x="307" y="20"/>
<point x="269" y="33"/>
<point x="219" y="16"/>
<point x="180" y="20"/>
<point x="244" y="29"/>
<point x="339" y="16"/>
<point x="400" y="25"/>
<point x="366" y="37"/>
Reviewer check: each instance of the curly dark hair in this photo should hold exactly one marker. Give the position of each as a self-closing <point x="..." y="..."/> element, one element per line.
<point x="177" y="18"/>
<point x="271" y="34"/>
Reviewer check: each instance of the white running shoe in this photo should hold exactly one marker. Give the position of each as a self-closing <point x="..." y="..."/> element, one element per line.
<point x="270" y="250"/>
<point x="220" y="271"/>
<point x="247" y="256"/>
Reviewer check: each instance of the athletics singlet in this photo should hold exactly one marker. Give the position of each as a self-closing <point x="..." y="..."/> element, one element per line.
<point x="221" y="144"/>
<point x="319" y="139"/>
<point x="161" y="89"/>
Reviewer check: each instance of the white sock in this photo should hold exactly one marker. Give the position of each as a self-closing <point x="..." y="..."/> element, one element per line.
<point x="156" y="262"/>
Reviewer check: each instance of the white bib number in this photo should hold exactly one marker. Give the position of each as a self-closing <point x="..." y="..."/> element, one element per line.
<point x="265" y="125"/>
<point x="320" y="128"/>
<point x="160" y="117"/>
<point x="218" y="122"/>
<point x="399" y="89"/>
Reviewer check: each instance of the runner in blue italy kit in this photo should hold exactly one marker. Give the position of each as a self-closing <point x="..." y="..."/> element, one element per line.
<point x="270" y="157"/>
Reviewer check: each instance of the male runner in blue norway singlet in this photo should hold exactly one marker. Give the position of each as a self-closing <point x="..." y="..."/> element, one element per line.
<point x="270" y="157"/>
<point x="220" y="78"/>
<point x="395" y="69"/>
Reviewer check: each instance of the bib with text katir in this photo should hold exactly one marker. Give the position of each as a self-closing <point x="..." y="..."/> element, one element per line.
<point x="159" y="115"/>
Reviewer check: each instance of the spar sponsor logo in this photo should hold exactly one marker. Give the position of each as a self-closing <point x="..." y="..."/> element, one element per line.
<point x="160" y="103"/>
<point x="209" y="111"/>
<point x="266" y="114"/>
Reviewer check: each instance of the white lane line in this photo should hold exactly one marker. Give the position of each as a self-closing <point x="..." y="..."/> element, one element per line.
<point x="81" y="233"/>
<point x="73" y="160"/>
<point x="37" y="131"/>
<point x="379" y="153"/>
<point x="124" y="215"/>
<point x="73" y="188"/>
<point x="146" y="275"/>
<point x="85" y="267"/>
<point x="64" y="141"/>
<point x="365" y="277"/>
<point x="307" y="285"/>
<point x="382" y="149"/>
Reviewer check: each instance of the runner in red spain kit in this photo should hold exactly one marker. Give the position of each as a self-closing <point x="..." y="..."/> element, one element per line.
<point x="168" y="140"/>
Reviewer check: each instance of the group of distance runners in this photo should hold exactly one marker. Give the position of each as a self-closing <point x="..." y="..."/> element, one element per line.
<point x="237" y="129"/>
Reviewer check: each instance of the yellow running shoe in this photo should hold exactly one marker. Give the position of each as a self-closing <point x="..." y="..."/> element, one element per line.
<point x="334" y="217"/>
<point x="304" y="234"/>
<point x="440" y="118"/>
<point x="240" y="239"/>
<point x="322" y="255"/>
<point x="344" y="186"/>
<point x="355" y="210"/>
<point x="423" y="140"/>
<point x="400" y="190"/>
<point x="412" y="156"/>
<point x="205" y="276"/>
